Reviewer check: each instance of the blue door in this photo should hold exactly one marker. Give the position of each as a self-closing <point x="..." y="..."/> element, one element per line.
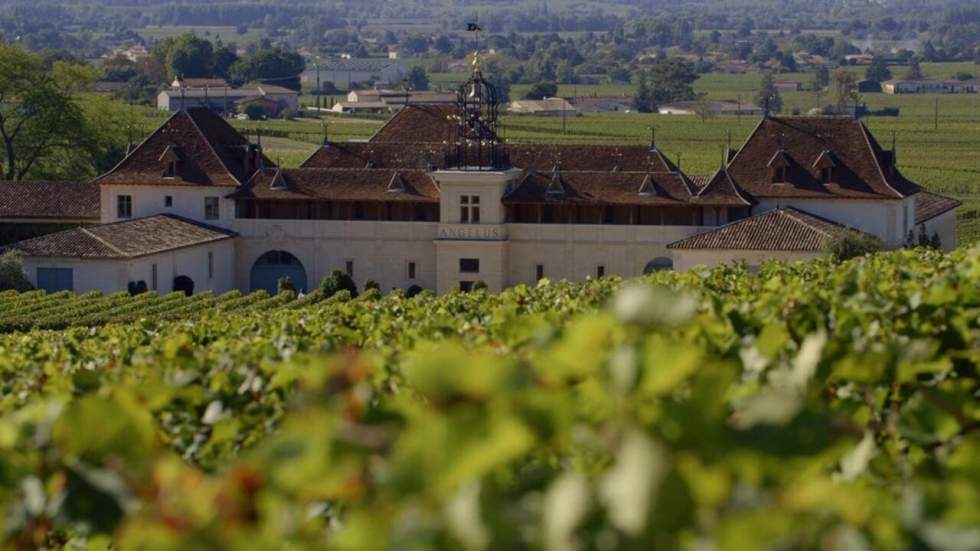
<point x="53" y="280"/>
<point x="274" y="265"/>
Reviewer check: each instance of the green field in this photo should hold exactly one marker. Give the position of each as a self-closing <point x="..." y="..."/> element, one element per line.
<point x="228" y="35"/>
<point x="818" y="405"/>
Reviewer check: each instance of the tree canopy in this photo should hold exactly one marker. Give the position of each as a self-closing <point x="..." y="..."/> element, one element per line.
<point x="271" y="65"/>
<point x="665" y="81"/>
<point x="41" y="122"/>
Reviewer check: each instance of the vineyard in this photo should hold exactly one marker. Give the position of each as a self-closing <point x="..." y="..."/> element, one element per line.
<point x="38" y="310"/>
<point x="818" y="405"/>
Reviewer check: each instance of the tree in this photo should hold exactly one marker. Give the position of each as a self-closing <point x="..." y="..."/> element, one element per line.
<point x="702" y="107"/>
<point x="852" y="245"/>
<point x="643" y="98"/>
<point x="914" y="71"/>
<point x="189" y="56"/>
<point x="222" y="61"/>
<point x="821" y="78"/>
<point x="273" y="65"/>
<point x="39" y="115"/>
<point x="845" y="89"/>
<point x="878" y="70"/>
<point x="254" y="111"/>
<point x="541" y="90"/>
<point x="417" y="78"/>
<point x="768" y="96"/>
<point x="285" y="284"/>
<point x="665" y="81"/>
<point x="12" y="275"/>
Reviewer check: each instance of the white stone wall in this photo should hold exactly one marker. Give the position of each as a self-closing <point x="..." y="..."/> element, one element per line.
<point x="574" y="252"/>
<point x="188" y="201"/>
<point x="380" y="251"/>
<point x="687" y="259"/>
<point x="112" y="275"/>
<point x="945" y="226"/>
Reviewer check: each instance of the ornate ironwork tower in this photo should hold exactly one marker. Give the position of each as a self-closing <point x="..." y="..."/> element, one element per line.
<point x="476" y="143"/>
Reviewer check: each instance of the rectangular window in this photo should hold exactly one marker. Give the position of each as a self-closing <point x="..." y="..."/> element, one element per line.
<point x="600" y="271"/>
<point x="411" y="270"/>
<point x="211" y="208"/>
<point x="469" y="209"/>
<point x="210" y="265"/>
<point x="469" y="265"/>
<point x="168" y="201"/>
<point x="539" y="271"/>
<point x="124" y="206"/>
<point x="153" y="277"/>
<point x="349" y="267"/>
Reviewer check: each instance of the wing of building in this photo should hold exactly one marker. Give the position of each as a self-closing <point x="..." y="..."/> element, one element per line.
<point x="436" y="200"/>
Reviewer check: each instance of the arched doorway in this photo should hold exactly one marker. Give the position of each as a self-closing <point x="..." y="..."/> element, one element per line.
<point x="273" y="265"/>
<point x="658" y="264"/>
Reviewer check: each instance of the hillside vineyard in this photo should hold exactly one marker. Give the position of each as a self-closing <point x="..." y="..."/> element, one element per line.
<point x="800" y="405"/>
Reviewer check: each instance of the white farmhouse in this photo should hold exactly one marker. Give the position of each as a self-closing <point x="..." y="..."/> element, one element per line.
<point x="426" y="203"/>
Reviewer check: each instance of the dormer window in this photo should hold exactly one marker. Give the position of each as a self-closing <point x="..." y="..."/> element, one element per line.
<point x="827" y="175"/>
<point x="171" y="161"/>
<point x="825" y="163"/>
<point x="779" y="165"/>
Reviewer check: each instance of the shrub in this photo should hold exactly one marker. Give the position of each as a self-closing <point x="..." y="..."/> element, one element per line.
<point x="413" y="291"/>
<point x="12" y="275"/>
<point x="851" y="245"/>
<point x="285" y="283"/>
<point x="480" y="286"/>
<point x="254" y="111"/>
<point x="372" y="284"/>
<point x="184" y="284"/>
<point x="338" y="281"/>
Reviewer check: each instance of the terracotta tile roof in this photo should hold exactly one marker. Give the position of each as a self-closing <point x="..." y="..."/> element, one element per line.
<point x="862" y="168"/>
<point x="721" y="190"/>
<point x="418" y="123"/>
<point x="609" y="188"/>
<point x="378" y="155"/>
<point x="341" y="185"/>
<point x="210" y="152"/>
<point x="929" y="205"/>
<point x="783" y="229"/>
<point x="127" y="239"/>
<point x="49" y="200"/>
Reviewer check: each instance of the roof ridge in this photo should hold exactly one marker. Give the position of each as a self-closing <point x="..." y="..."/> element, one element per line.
<point x="211" y="146"/>
<point x="877" y="163"/>
<point x="135" y="149"/>
<point x="104" y="242"/>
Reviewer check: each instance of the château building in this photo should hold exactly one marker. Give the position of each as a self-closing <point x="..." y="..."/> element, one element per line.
<point x="436" y="200"/>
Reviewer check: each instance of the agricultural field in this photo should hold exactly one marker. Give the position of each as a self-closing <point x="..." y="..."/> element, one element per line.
<point x="814" y="405"/>
<point x="227" y="34"/>
<point x="39" y="310"/>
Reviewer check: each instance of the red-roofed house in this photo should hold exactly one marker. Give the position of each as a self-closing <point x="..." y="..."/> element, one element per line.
<point x="436" y="199"/>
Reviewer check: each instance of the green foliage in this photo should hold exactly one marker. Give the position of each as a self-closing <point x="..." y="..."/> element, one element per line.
<point x="768" y="96"/>
<point x="666" y="81"/>
<point x="276" y="66"/>
<point x="542" y="90"/>
<point x="372" y="284"/>
<point x="850" y="245"/>
<point x="254" y="111"/>
<point x="336" y="282"/>
<point x="285" y="283"/>
<point x="40" y="118"/>
<point x="417" y="78"/>
<point x="878" y="70"/>
<point x="812" y="405"/>
<point x="12" y="276"/>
